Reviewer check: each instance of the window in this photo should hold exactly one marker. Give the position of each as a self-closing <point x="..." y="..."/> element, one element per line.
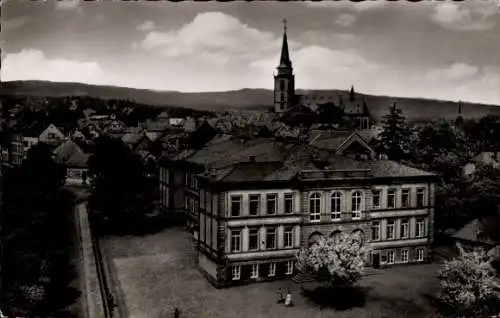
<point x="405" y="198"/>
<point x="254" y="203"/>
<point x="356" y="205"/>
<point x="315" y="206"/>
<point x="188" y="179"/>
<point x="289" y="203"/>
<point x="391" y="199"/>
<point x="390" y="257"/>
<point x="271" y="203"/>
<point x="236" y="205"/>
<point x="376" y="198"/>
<point x="235" y="240"/>
<point x="336" y="205"/>
<point x="420" y="197"/>
<point x="420" y="254"/>
<point x="404" y="256"/>
<point x="271" y="238"/>
<point x="403" y="230"/>
<point x="375" y="231"/>
<point x="289" y="268"/>
<point x="236" y="272"/>
<point x="282" y="85"/>
<point x="419" y="228"/>
<point x="288" y="237"/>
<point x="255" y="271"/>
<point x="390" y="230"/>
<point x="272" y="269"/>
<point x="253" y="239"/>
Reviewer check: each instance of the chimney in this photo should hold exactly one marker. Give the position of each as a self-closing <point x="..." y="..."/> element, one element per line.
<point x="251" y="158"/>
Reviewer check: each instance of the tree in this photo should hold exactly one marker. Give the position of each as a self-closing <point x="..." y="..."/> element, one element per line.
<point x="122" y="191"/>
<point x="469" y="287"/>
<point x="36" y="267"/>
<point x="394" y="140"/>
<point x="337" y="261"/>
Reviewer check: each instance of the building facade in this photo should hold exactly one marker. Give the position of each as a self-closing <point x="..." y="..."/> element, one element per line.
<point x="254" y="204"/>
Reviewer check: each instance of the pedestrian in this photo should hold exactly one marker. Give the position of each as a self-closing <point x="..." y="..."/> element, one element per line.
<point x="279" y="296"/>
<point x="288" y="300"/>
<point x="176" y="312"/>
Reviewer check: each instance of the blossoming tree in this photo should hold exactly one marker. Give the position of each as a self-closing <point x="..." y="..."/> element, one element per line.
<point x="338" y="261"/>
<point x="469" y="286"/>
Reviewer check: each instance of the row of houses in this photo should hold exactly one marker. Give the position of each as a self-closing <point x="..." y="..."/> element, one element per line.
<point x="74" y="146"/>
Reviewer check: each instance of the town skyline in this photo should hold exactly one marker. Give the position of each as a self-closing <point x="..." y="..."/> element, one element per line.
<point x="432" y="50"/>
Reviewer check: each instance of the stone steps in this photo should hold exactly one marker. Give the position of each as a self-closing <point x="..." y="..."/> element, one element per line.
<point x="302" y="278"/>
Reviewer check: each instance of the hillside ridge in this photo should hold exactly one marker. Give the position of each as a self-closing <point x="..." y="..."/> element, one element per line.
<point x="244" y="99"/>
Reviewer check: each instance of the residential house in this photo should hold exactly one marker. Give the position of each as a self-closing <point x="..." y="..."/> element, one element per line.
<point x="338" y="140"/>
<point x="251" y="204"/>
<point x="480" y="233"/>
<point x="175" y="121"/>
<point x="131" y="139"/>
<point x="489" y="157"/>
<point x="75" y="159"/>
<point x="115" y="127"/>
<point x="25" y="137"/>
<point x="52" y="135"/>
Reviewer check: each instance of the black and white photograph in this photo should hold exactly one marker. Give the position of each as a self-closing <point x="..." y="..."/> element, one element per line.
<point x="250" y="159"/>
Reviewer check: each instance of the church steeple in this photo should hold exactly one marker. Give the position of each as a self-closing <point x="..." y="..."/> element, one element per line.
<point x="284" y="81"/>
<point x="285" y="56"/>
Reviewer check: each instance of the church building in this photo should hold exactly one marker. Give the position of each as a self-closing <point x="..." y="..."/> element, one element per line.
<point x="353" y="108"/>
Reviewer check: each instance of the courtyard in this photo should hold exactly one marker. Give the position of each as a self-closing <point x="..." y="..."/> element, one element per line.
<point x="156" y="273"/>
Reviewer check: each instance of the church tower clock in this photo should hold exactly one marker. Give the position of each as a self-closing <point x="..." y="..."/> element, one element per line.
<point x="284" y="80"/>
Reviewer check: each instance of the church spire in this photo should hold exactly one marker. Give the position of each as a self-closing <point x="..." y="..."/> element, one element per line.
<point x="285" y="56"/>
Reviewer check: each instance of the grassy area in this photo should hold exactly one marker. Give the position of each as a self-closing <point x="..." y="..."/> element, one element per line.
<point x="156" y="273"/>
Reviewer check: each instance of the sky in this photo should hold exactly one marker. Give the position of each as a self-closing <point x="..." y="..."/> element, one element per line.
<point x="429" y="49"/>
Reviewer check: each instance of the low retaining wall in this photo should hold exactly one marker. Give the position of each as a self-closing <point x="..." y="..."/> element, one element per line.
<point x="96" y="295"/>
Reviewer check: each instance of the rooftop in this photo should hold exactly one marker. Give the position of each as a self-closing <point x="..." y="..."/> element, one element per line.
<point x="229" y="159"/>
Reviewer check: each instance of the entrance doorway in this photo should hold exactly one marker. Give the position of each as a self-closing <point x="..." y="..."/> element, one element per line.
<point x="376" y="260"/>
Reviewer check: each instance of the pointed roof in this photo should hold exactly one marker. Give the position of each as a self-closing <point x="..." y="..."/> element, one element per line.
<point x="285" y="56"/>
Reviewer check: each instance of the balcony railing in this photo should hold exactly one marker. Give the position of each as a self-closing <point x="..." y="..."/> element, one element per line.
<point x="334" y="174"/>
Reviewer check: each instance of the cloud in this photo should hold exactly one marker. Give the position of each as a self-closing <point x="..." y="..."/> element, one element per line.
<point x="348" y="5"/>
<point x="146" y="26"/>
<point x="466" y="16"/>
<point x="14" y="23"/>
<point x="31" y="64"/>
<point x="345" y="19"/>
<point x="67" y="4"/>
<point x="212" y="36"/>
<point x="323" y="68"/>
<point x="453" y="73"/>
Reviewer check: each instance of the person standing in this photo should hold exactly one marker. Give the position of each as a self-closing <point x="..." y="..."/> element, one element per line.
<point x="288" y="300"/>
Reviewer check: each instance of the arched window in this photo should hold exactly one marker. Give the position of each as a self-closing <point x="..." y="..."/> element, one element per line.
<point x="359" y="236"/>
<point x="314" y="238"/>
<point x="336" y="205"/>
<point x="315" y="207"/>
<point x="336" y="235"/>
<point x="282" y="85"/>
<point x="356" y="205"/>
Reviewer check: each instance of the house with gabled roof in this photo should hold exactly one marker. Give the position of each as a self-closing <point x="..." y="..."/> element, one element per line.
<point x="52" y="135"/>
<point x="76" y="161"/>
<point x="481" y="233"/>
<point x="342" y="142"/>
